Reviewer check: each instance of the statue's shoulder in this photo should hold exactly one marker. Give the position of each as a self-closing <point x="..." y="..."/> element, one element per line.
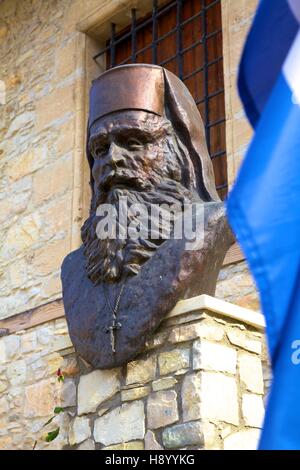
<point x="72" y="264"/>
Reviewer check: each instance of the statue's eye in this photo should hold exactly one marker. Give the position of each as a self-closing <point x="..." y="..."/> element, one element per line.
<point x="134" y="143"/>
<point x="99" y="150"/>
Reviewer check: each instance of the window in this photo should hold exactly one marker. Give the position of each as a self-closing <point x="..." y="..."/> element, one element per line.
<point x="184" y="36"/>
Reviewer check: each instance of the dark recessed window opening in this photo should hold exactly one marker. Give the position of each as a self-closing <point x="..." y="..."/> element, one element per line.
<point x="185" y="37"/>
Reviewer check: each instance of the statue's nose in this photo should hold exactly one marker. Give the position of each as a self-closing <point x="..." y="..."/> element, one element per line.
<point x="105" y="167"/>
<point x="115" y="155"/>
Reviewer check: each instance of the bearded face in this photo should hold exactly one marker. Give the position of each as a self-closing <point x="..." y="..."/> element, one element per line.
<point x="137" y="156"/>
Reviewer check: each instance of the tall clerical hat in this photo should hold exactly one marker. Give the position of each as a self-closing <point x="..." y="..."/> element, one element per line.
<point x="154" y="89"/>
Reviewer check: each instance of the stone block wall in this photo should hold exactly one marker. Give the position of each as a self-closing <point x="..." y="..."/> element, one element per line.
<point x="39" y="139"/>
<point x="197" y="385"/>
<point x="237" y="16"/>
<point x="235" y="284"/>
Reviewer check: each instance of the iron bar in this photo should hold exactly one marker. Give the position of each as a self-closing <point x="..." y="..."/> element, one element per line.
<point x="159" y="39"/>
<point x="206" y="101"/>
<point x="218" y="154"/>
<point x="169" y="33"/>
<point x="200" y="69"/>
<point x="154" y="32"/>
<point x="112" y="46"/>
<point x="124" y="61"/>
<point x="215" y="123"/>
<point x="222" y="186"/>
<point x="208" y="97"/>
<point x="169" y="59"/>
<point x="179" y="38"/>
<point x="166" y="8"/>
<point x="133" y="35"/>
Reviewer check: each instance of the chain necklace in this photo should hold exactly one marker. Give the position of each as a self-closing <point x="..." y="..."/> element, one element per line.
<point x="112" y="329"/>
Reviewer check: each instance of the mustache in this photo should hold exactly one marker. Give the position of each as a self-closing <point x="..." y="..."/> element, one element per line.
<point x="123" y="179"/>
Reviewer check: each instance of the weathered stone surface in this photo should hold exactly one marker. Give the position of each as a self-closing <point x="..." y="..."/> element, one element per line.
<point x="3" y="33"/>
<point x="163" y="383"/>
<point x="65" y="141"/>
<point x="226" y="431"/>
<point x="68" y="393"/>
<point x="162" y="409"/>
<point x="44" y="186"/>
<point x="210" y="435"/>
<point x="135" y="393"/>
<point x="235" y="283"/>
<point x="141" y="371"/>
<point x="25" y="164"/>
<point x="185" y="333"/>
<point x="102" y="411"/>
<point x="253" y="410"/>
<point x="181" y="372"/>
<point x="196" y="330"/>
<point x="95" y="388"/>
<point x="22" y="236"/>
<point x="211" y="332"/>
<point x="171" y="361"/>
<point x="39" y="399"/>
<point x="157" y="340"/>
<point x="2" y="351"/>
<point x="58" y="104"/>
<point x="65" y="60"/>
<point x="239" y="338"/>
<point x="45" y="334"/>
<point x="20" y="122"/>
<point x="12" y="346"/>
<point x="6" y="443"/>
<point x="4" y="406"/>
<point x="54" y="362"/>
<point x="48" y="257"/>
<point x="184" y="318"/>
<point x="70" y="367"/>
<point x="28" y="342"/>
<point x="18" y="273"/>
<point x="251" y="373"/>
<point x="181" y="435"/>
<point x="242" y="440"/>
<point x="219" y="398"/>
<point x="16" y="372"/>
<point x="63" y="422"/>
<point x="89" y="444"/>
<point x="122" y="424"/>
<point x="80" y="430"/>
<point x="212" y="356"/>
<point x="133" y="445"/>
<point x="191" y="397"/>
<point x="151" y="442"/>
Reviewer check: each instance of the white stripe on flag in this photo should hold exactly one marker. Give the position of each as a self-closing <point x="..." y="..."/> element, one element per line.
<point x="291" y="69"/>
<point x="295" y="7"/>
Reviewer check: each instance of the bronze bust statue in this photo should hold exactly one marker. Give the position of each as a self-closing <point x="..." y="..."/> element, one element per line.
<point x="146" y="148"/>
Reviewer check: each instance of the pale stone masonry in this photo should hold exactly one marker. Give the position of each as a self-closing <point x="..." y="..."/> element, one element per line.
<point x="197" y="385"/>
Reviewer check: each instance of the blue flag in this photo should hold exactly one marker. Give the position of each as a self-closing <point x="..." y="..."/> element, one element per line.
<point x="264" y="204"/>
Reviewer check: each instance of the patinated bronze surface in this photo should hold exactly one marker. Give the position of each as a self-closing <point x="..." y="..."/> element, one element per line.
<point x="146" y="144"/>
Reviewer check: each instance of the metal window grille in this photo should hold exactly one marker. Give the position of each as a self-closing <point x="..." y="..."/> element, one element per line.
<point x="200" y="22"/>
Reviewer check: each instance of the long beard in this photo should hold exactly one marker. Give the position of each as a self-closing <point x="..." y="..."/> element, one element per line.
<point x="109" y="259"/>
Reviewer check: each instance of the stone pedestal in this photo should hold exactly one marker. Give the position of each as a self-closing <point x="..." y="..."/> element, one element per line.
<point x="197" y="385"/>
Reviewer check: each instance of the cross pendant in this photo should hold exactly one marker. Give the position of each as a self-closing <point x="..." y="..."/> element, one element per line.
<point x="112" y="330"/>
